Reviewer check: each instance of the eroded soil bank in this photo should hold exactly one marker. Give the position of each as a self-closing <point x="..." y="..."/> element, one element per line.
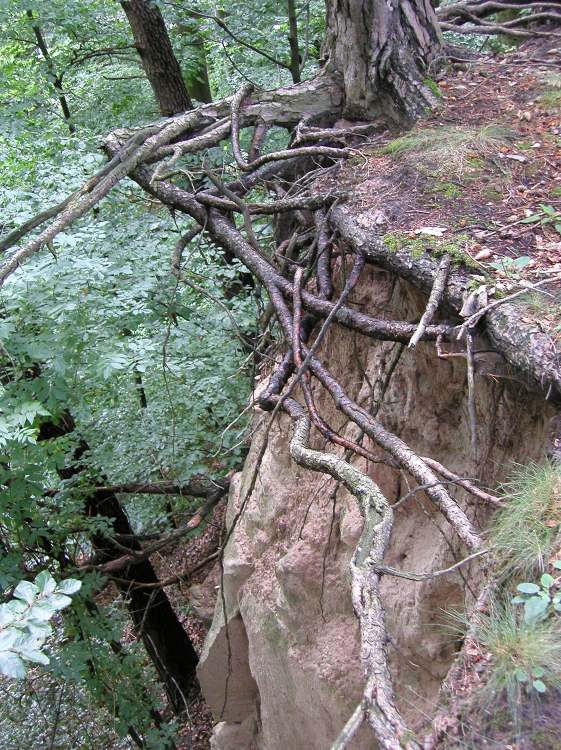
<point x="294" y="672"/>
<point x="285" y="672"/>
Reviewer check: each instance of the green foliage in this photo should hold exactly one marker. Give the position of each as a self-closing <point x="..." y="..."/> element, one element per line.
<point x="547" y="215"/>
<point x="87" y="326"/>
<point x="512" y="267"/>
<point x="526" y="656"/>
<point x="539" y="600"/>
<point x="24" y="621"/>
<point x="522" y="535"/>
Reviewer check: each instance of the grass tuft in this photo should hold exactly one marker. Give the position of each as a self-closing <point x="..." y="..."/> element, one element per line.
<point x="451" y="148"/>
<point x="524" y="532"/>
<point x="520" y="653"/>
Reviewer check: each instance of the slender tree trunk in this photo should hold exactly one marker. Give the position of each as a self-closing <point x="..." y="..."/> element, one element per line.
<point x="293" y="41"/>
<point x="382" y="51"/>
<point x="156" y="53"/>
<point x="54" y="77"/>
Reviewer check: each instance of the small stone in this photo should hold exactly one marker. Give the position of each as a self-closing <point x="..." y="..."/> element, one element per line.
<point x="527" y="116"/>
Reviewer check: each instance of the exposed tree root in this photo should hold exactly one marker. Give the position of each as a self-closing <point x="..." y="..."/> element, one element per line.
<point x="472" y="17"/>
<point x="378" y="705"/>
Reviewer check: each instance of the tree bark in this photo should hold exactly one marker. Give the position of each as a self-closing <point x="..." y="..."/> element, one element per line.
<point x="168" y="645"/>
<point x="156" y="53"/>
<point x="293" y="41"/>
<point x="382" y="52"/>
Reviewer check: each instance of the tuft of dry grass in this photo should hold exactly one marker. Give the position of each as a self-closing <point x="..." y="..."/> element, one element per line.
<point x="449" y="149"/>
<point x="523" y="534"/>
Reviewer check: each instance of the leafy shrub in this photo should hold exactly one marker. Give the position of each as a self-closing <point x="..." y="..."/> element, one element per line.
<point x="24" y="621"/>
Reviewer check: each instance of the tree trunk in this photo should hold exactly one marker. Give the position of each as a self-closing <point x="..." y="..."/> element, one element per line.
<point x="155" y="621"/>
<point x="157" y="56"/>
<point x="168" y="645"/>
<point x="293" y="41"/>
<point x="382" y="51"/>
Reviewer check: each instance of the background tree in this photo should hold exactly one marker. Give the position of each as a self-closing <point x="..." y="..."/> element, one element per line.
<point x="156" y="53"/>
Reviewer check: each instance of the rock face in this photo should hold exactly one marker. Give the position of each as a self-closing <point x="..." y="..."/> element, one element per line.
<point x="285" y="673"/>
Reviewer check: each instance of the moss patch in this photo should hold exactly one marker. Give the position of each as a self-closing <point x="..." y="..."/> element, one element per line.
<point x="446" y="189"/>
<point x="436" y="246"/>
<point x="449" y="149"/>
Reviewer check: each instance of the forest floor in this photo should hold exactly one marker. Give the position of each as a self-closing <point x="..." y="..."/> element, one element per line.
<point x="479" y="179"/>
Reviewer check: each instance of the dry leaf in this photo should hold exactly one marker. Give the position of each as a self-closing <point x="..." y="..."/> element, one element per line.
<point x="483" y="254"/>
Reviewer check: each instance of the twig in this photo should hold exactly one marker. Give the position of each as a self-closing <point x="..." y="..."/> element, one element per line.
<point x="239" y="203"/>
<point x="463" y="482"/>
<point x="385" y="570"/>
<point x="350" y="729"/>
<point x="435" y="299"/>
<point x="180" y="246"/>
<point x="476" y="317"/>
<point x="472" y="411"/>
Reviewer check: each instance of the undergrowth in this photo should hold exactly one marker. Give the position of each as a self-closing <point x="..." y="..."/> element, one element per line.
<point x="526" y="657"/>
<point x="522" y="536"/>
<point x="519" y="685"/>
<point x="516" y="654"/>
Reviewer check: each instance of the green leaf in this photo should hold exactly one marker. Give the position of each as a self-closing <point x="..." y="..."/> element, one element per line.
<point x="27" y="591"/>
<point x="535" y="609"/>
<point x="528" y="588"/>
<point x="35" y="656"/>
<point x="69" y="586"/>
<point x="59" y="601"/>
<point x="39" y="629"/>
<point x="518" y="600"/>
<point x="45" y="582"/>
<point x="538" y="672"/>
<point x="8" y="637"/>
<point x="42" y="611"/>
<point x="547" y="581"/>
<point x="521" y="675"/>
<point x="557" y="564"/>
<point x="11" y="665"/>
<point x="539" y="686"/>
<point x="531" y="219"/>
